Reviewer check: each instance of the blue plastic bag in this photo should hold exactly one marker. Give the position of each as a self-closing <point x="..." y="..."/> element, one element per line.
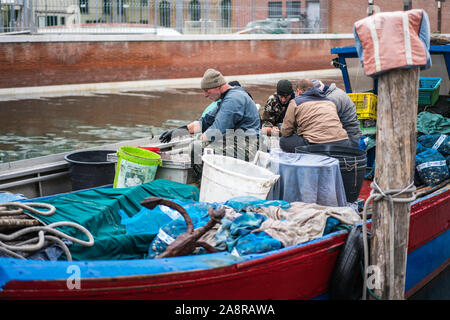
<point x="148" y="221"/>
<point x="8" y="196"/>
<point x="167" y="233"/>
<point x="170" y="231"/>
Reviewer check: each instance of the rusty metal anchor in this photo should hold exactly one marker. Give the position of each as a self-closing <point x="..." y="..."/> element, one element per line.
<point x="186" y="242"/>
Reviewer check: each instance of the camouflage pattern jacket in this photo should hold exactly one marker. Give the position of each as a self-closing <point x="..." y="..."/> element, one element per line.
<point x="272" y="114"/>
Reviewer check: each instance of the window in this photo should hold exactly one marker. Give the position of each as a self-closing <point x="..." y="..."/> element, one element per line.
<point x="107" y="7"/>
<point x="144" y="3"/>
<point x="275" y="9"/>
<point x="225" y="7"/>
<point x="120" y="8"/>
<point x="84" y="6"/>
<point x="62" y="21"/>
<point x="313" y="12"/>
<point x="293" y="9"/>
<point x="195" y="10"/>
<point x="51" y="21"/>
<point x="164" y="13"/>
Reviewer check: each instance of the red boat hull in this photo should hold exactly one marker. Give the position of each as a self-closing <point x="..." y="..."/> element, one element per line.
<point x="294" y="274"/>
<point x="302" y="272"/>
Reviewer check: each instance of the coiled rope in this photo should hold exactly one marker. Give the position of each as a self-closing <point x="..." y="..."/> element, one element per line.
<point x="18" y="208"/>
<point x="377" y="194"/>
<point x="34" y="244"/>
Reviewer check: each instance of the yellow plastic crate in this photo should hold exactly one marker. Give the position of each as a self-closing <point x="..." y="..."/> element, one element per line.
<point x="366" y="105"/>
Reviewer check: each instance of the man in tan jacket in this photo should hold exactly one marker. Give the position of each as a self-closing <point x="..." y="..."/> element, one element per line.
<point x="311" y="118"/>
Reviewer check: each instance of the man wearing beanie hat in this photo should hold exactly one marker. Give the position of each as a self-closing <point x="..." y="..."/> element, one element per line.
<point x="212" y="79"/>
<point x="235" y="110"/>
<point x="213" y="104"/>
<point x="273" y="112"/>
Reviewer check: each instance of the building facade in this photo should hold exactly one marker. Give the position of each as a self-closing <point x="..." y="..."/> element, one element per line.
<point x="212" y="16"/>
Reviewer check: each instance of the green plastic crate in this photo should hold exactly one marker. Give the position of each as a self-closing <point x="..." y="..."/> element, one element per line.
<point x="429" y="90"/>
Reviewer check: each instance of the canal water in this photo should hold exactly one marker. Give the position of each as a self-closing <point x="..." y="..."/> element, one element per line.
<point x="38" y="126"/>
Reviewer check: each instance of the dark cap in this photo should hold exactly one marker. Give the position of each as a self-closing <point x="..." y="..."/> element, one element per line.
<point x="284" y="88"/>
<point x="234" y="83"/>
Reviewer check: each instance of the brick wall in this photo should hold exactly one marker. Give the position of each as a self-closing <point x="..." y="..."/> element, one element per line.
<point x="53" y="63"/>
<point x="34" y="63"/>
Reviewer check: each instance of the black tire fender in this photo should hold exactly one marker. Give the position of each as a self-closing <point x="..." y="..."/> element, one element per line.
<point x="346" y="279"/>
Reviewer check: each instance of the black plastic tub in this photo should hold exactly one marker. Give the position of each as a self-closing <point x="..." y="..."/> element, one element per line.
<point x="352" y="164"/>
<point x="89" y="169"/>
<point x="332" y="151"/>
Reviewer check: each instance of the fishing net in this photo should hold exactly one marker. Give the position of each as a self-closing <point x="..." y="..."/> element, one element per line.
<point x="432" y="167"/>
<point x="256" y="243"/>
<point x="440" y="142"/>
<point x="430" y="123"/>
<point x="251" y="202"/>
<point x="420" y="148"/>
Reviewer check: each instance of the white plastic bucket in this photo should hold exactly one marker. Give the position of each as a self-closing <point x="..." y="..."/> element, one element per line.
<point x="225" y="177"/>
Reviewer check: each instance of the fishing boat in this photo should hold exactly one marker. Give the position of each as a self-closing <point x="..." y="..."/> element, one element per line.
<point x="301" y="271"/>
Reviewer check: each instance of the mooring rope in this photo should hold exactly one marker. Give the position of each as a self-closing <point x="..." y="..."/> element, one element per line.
<point x="377" y="194"/>
<point x="18" y="208"/>
<point x="9" y="209"/>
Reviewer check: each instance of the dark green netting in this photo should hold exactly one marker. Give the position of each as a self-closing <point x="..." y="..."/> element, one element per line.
<point x="430" y="123"/>
<point x="97" y="210"/>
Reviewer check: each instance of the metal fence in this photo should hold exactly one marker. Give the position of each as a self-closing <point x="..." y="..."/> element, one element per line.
<point x="164" y="16"/>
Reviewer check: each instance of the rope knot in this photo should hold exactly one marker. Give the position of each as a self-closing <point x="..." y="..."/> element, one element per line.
<point x="392" y="194"/>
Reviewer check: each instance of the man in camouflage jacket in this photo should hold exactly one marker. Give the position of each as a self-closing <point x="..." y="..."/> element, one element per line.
<point x="272" y="114"/>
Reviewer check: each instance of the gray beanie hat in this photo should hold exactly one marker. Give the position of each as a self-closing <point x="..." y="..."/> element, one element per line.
<point x="212" y="79"/>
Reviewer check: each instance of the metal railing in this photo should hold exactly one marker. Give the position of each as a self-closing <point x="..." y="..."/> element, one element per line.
<point x="165" y="16"/>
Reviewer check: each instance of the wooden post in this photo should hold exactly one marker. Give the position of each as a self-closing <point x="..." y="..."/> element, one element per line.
<point x="395" y="152"/>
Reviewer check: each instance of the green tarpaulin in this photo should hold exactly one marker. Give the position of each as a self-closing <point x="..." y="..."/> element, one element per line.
<point x="97" y="210"/>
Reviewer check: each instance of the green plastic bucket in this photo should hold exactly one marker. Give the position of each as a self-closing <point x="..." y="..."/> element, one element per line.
<point x="135" y="166"/>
